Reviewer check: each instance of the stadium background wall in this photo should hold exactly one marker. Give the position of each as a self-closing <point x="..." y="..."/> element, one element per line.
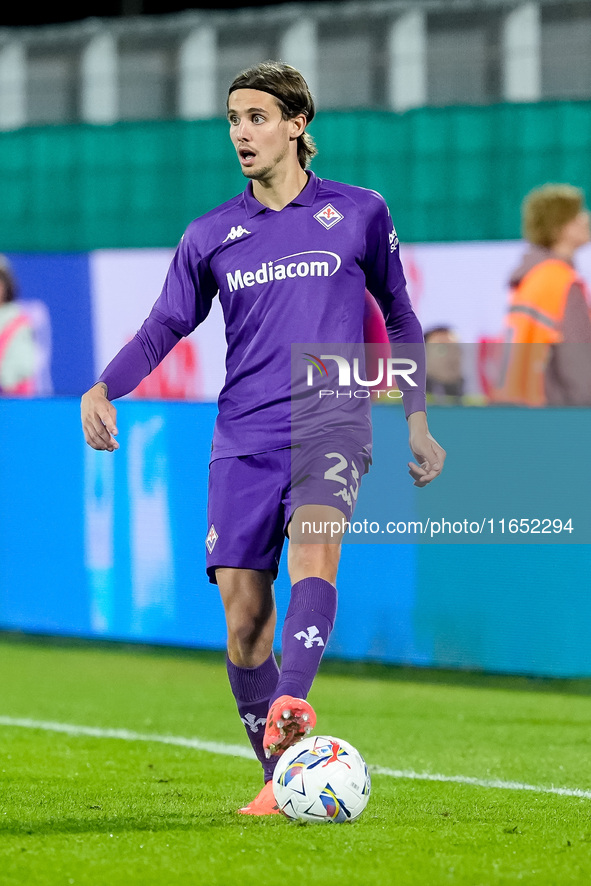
<point x="111" y="545"/>
<point x="448" y="174"/>
<point x="116" y="551"/>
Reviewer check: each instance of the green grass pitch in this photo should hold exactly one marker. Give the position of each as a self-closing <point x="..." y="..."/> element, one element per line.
<point x="93" y="810"/>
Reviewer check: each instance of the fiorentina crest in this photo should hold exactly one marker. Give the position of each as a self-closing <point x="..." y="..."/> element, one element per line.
<point x="329" y="216"/>
<point x="211" y="539"/>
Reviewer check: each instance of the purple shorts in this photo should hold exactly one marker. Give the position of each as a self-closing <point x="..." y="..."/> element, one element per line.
<point x="252" y="498"/>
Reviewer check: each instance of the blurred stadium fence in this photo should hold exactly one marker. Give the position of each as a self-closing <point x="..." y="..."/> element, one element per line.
<point x="389" y="54"/>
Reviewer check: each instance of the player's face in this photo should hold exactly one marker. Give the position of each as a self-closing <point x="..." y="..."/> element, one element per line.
<point x="263" y="140"/>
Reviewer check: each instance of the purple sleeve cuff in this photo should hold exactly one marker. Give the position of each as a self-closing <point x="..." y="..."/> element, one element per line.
<point x="138" y="358"/>
<point x="406" y="339"/>
<point x="126" y="370"/>
<point x="414" y="401"/>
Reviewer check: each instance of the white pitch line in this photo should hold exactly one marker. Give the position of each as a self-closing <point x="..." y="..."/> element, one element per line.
<point x="235" y="750"/>
<point x="196" y="744"/>
<point x="481" y="782"/>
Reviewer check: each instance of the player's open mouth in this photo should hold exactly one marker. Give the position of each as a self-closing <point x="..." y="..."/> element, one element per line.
<point x="246" y="156"/>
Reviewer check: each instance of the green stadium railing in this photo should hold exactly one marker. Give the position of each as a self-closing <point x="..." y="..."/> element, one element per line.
<point x="448" y="174"/>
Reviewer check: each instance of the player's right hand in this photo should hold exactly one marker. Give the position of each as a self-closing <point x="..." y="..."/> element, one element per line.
<point x="99" y="419"/>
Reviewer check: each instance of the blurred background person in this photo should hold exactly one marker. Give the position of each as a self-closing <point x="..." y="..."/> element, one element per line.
<point x="445" y="381"/>
<point x="18" y="350"/>
<point x="547" y="353"/>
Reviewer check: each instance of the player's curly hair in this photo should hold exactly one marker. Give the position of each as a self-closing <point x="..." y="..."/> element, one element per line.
<point x="291" y="92"/>
<point x="546" y="210"/>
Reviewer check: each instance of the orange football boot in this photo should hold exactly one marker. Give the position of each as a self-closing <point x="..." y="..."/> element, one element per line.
<point x="288" y="721"/>
<point x="263" y="804"/>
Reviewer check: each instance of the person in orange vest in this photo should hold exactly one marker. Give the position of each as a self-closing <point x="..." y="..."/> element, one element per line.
<point x="546" y="358"/>
<point x="18" y="350"/>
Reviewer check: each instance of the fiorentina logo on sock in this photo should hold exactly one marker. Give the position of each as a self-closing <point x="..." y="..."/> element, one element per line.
<point x="251" y="722"/>
<point x="311" y="636"/>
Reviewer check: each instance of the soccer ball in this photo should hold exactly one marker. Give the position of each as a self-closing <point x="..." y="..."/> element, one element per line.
<point x="321" y="779"/>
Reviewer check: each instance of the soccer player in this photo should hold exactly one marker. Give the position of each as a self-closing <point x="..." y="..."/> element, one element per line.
<point x="290" y="258"/>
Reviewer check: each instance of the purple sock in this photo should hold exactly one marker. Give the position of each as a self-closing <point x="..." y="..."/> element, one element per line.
<point x="253" y="689"/>
<point x="308" y="623"/>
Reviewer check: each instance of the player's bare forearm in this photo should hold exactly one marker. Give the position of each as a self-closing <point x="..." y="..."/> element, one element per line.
<point x="429" y="455"/>
<point x="99" y="418"/>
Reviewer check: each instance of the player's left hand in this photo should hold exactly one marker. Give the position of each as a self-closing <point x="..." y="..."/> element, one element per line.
<point x="430" y="456"/>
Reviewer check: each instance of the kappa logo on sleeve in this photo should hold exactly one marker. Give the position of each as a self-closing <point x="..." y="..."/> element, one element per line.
<point x="236" y="233"/>
<point x="329" y="216"/>
<point x="393" y="238"/>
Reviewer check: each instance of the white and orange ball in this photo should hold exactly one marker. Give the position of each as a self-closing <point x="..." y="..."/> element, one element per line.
<point x="322" y="779"/>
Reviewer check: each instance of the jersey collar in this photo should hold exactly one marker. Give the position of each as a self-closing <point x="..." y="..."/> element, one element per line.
<point x="306" y="197"/>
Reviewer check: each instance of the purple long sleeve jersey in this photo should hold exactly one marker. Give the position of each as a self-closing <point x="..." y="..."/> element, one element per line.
<point x="297" y="275"/>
